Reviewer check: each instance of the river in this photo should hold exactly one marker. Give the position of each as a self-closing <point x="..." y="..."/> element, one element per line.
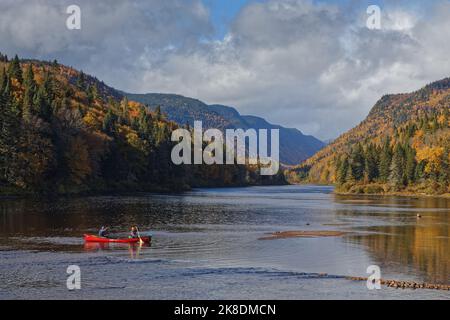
<point x="206" y="245"/>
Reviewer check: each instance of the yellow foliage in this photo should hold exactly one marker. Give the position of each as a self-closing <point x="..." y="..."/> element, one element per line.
<point x="433" y="157"/>
<point x="418" y="139"/>
<point x="135" y="141"/>
<point x="91" y="120"/>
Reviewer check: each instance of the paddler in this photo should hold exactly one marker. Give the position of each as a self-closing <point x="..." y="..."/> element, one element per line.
<point x="134" y="232"/>
<point x="103" y="232"/>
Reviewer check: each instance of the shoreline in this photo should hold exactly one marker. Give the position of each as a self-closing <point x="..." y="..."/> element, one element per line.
<point x="163" y="190"/>
<point x="395" y="194"/>
<point x="86" y="194"/>
<point x="384" y="194"/>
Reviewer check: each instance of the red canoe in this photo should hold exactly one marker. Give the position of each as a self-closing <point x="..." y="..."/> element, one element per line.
<point x="91" y="238"/>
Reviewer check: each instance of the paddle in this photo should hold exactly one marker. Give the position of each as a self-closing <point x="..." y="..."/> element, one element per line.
<point x="139" y="236"/>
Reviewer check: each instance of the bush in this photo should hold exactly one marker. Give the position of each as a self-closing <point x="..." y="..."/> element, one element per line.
<point x="374" y="189"/>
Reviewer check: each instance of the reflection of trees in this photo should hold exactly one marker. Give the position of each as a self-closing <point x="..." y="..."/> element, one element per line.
<point x="426" y="249"/>
<point x="38" y="218"/>
<point x="74" y="216"/>
<point x="422" y="245"/>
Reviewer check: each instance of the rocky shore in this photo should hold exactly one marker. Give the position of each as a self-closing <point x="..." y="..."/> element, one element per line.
<point x="406" y="284"/>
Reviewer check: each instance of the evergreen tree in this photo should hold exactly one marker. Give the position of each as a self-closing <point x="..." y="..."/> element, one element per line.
<point x="29" y="94"/>
<point x="419" y="173"/>
<point x="385" y="161"/>
<point x="342" y="170"/>
<point x="3" y="79"/>
<point x="28" y="80"/>
<point x="357" y="162"/>
<point x="81" y="81"/>
<point x="15" y="70"/>
<point x="410" y="166"/>
<point x="371" y="163"/>
<point x="44" y="98"/>
<point x="397" y="177"/>
<point x="9" y="126"/>
<point x="109" y="123"/>
<point x="158" y="113"/>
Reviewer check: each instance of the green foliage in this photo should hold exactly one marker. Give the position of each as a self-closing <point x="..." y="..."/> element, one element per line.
<point x="385" y="161"/>
<point x="357" y="163"/>
<point x="371" y="169"/>
<point x="400" y="165"/>
<point x="397" y="176"/>
<point x="342" y="170"/>
<point x="15" y="70"/>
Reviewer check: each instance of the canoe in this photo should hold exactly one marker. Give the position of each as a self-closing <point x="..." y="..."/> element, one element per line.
<point x="97" y="239"/>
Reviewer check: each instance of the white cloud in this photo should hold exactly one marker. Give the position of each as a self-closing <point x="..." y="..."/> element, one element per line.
<point x="313" y="67"/>
<point x="295" y="62"/>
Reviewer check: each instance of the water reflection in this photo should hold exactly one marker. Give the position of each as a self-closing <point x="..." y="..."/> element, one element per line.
<point x="134" y="249"/>
<point x="410" y="236"/>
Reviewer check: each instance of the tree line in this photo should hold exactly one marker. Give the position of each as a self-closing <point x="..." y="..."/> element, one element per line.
<point x="418" y="153"/>
<point x="62" y="131"/>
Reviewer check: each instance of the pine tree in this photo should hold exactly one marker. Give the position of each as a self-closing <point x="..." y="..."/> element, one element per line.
<point x="109" y="122"/>
<point x="357" y="162"/>
<point x="410" y="166"/>
<point x="15" y="69"/>
<point x="30" y="90"/>
<point x="158" y="113"/>
<point x="81" y="81"/>
<point x="342" y="170"/>
<point x="28" y="80"/>
<point x="397" y="177"/>
<point x="3" y="79"/>
<point x="44" y="98"/>
<point x="385" y="161"/>
<point x="371" y="163"/>
<point x="9" y="125"/>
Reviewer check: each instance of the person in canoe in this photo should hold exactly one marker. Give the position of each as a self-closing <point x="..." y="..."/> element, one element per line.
<point x="104" y="232"/>
<point x="134" y="232"/>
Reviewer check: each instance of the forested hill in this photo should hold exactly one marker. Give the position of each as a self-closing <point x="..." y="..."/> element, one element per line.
<point x="62" y="131"/>
<point x="402" y="146"/>
<point x="295" y="147"/>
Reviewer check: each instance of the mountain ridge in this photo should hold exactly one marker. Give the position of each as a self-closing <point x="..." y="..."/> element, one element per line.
<point x="294" y="145"/>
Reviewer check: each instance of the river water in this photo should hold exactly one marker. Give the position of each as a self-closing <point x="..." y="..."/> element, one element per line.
<point x="206" y="245"/>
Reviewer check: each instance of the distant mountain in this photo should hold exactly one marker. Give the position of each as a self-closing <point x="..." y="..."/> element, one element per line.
<point x="295" y="147"/>
<point x="402" y="146"/>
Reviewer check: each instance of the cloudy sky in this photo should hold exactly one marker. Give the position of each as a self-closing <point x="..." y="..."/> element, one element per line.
<point x="308" y="64"/>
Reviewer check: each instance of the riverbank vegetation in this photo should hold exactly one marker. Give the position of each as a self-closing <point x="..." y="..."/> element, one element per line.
<point x="401" y="148"/>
